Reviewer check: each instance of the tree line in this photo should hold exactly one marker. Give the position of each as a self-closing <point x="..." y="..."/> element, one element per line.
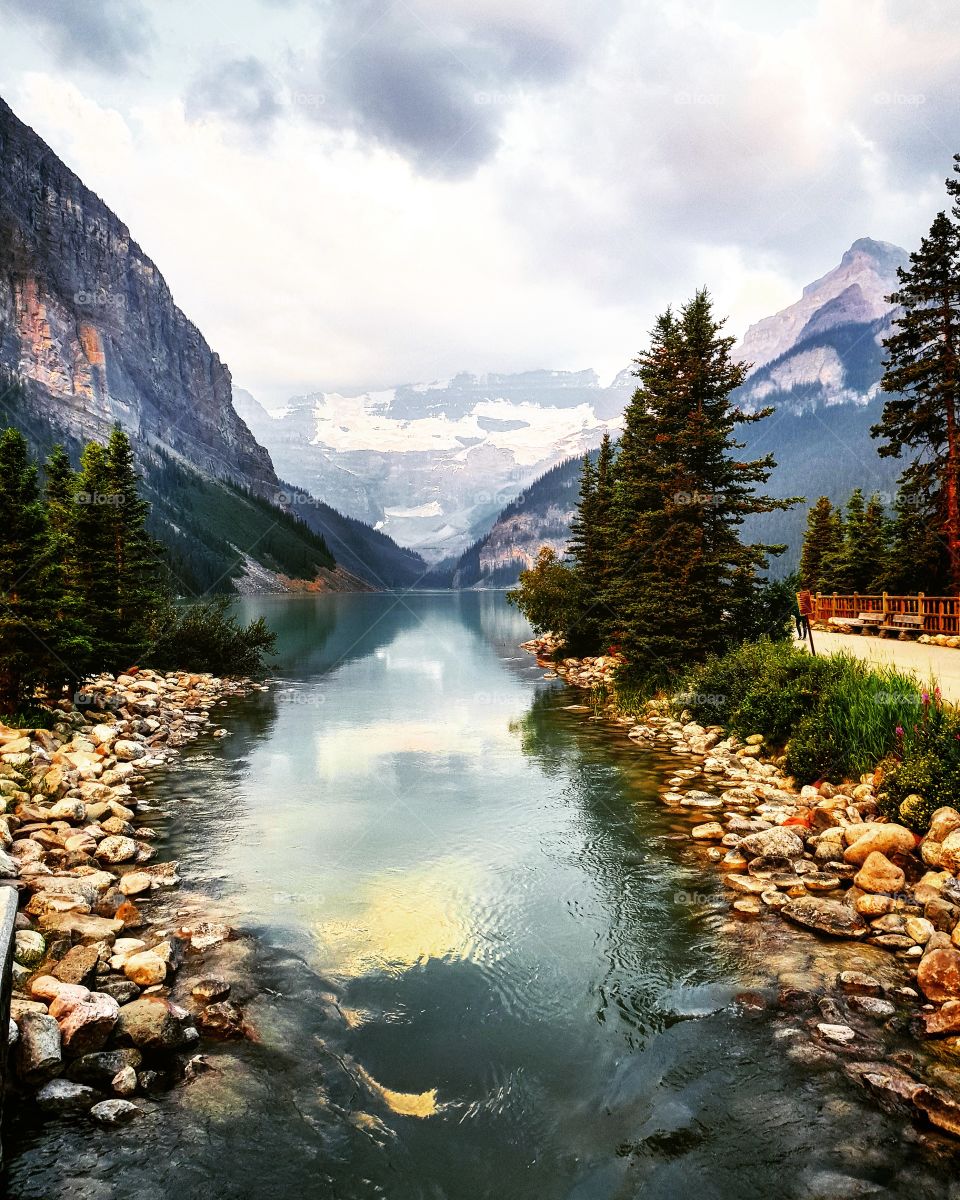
<point x="83" y="586"/>
<point x="863" y="547"/>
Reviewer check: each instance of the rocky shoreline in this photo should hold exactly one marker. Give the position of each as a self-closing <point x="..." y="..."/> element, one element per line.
<point x="98" y="1018"/>
<point x="822" y="861"/>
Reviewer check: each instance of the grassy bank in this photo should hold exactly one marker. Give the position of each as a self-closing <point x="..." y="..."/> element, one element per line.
<point x="835" y="718"/>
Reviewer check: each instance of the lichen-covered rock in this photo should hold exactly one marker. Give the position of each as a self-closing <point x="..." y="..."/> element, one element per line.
<point x="63" y="1096"/>
<point x="39" y="1053"/>
<point x="776" y="842"/>
<point x="114" y="1112"/>
<point x="830" y="917"/>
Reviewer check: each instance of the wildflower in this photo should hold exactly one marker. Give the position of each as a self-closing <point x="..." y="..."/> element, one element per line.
<point x="925" y="697"/>
<point x="899" y="732"/>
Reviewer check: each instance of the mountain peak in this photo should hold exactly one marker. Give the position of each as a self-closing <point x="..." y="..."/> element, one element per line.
<point x="853" y="292"/>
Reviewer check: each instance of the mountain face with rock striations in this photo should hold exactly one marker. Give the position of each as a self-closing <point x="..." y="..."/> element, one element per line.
<point x="90" y="337"/>
<point x="818" y="363"/>
<point x="433" y="464"/>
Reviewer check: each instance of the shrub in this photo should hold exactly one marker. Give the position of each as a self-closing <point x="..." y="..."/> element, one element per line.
<point x="205" y="636"/>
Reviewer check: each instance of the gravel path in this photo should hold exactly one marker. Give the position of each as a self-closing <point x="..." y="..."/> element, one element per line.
<point x="938" y="662"/>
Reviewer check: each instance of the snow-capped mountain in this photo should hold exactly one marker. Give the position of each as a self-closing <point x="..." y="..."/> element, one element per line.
<point x="818" y="363"/>
<point x="433" y="464"/>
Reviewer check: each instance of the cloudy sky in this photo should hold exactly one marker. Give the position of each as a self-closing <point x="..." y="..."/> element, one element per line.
<point x="357" y="193"/>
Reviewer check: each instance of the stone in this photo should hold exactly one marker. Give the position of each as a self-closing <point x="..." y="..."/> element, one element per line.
<point x="892" y="1087"/>
<point x="145" y="968"/>
<point x="78" y="964"/>
<point x="69" y="809"/>
<point x="841" y="1035"/>
<point x="779" y="842"/>
<point x="114" y="1112"/>
<point x="153" y="1023"/>
<point x="29" y="947"/>
<point x="950" y="852"/>
<point x="878" y="874"/>
<point x="870" y="905"/>
<point x="221" y="1020"/>
<point x="746" y="883"/>
<point x="135" y="883"/>
<point x="830" y="917"/>
<point x="203" y="935"/>
<point x="128" y="751"/>
<point x="88" y="1025"/>
<point x="211" y="988"/>
<point x="99" y="1069"/>
<point x="84" y="927"/>
<point x="941" y="1109"/>
<point x="938" y="975"/>
<point x="64" y="1096"/>
<point x="872" y="1006"/>
<point x="856" y="983"/>
<point x="942" y="914"/>
<point x="711" y="831"/>
<point x="39" y="1053"/>
<point x="944" y="1020"/>
<point x="920" y="929"/>
<point x="943" y="822"/>
<point x="117" y="849"/>
<point x="864" y="839"/>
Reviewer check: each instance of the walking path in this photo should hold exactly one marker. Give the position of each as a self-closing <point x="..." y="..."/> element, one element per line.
<point x="926" y="662"/>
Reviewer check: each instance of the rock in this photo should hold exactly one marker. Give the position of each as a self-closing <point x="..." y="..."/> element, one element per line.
<point x="69" y="809"/>
<point x="78" y="964"/>
<point x="114" y="1112"/>
<point x="892" y="1087"/>
<point x="29" y="947"/>
<point x="872" y="1006"/>
<point x="117" y="849"/>
<point x="135" y="883"/>
<point x="857" y="984"/>
<point x="711" y="831"/>
<point x="944" y="1020"/>
<point x="205" y="934"/>
<point x="127" y="751"/>
<point x="124" y="1083"/>
<point x="950" y="851"/>
<point x="779" y="842"/>
<point x="938" y="975"/>
<point x="878" y="874"/>
<point x="920" y="929"/>
<point x="943" y="822"/>
<point x="99" y="1069"/>
<point x="153" y="1023"/>
<point x="221" y="1020"/>
<point x="811" y="1057"/>
<point x="86" y="1027"/>
<point x="942" y="914"/>
<point x="826" y="916"/>
<point x="85" y="928"/>
<point x="39" y="1055"/>
<point x="941" y="1109"/>
<point x="864" y="839"/>
<point x="210" y="989"/>
<point x="145" y="968"/>
<point x="63" y="1096"/>
<point x="841" y="1035"/>
<point x="869" y="905"/>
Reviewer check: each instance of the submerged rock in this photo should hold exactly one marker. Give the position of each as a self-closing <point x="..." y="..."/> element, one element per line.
<point x="830" y="917"/>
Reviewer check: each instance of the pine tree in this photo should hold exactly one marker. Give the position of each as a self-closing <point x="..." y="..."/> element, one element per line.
<point x="843" y="567"/>
<point x="916" y="558"/>
<point x="923" y="377"/>
<point x="589" y="548"/>
<point x="30" y="579"/>
<point x="821" y="544"/>
<point x="684" y="581"/>
<point x="874" y="549"/>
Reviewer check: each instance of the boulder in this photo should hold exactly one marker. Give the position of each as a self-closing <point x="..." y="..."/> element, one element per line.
<point x="945" y="1020"/>
<point x="941" y="1109"/>
<point x="99" y="1069"/>
<point x="776" y="842"/>
<point x="64" y="1096"/>
<point x="221" y="1020"/>
<point x="211" y="988"/>
<point x="830" y="917"/>
<point x="86" y="1027"/>
<point x="878" y="874"/>
<point x="950" y="852"/>
<point x="114" y="1112"/>
<point x="145" y="968"/>
<point x="39" y="1053"/>
<point x="869" y="836"/>
<point x="153" y="1023"/>
<point x="29" y="947"/>
<point x="938" y="975"/>
<point x="943" y="822"/>
<point x="117" y="849"/>
<point x="78" y="964"/>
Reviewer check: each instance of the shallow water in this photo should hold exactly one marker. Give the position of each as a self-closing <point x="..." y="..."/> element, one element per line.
<point x="484" y="961"/>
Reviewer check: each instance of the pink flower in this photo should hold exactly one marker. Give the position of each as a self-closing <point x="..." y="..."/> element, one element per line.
<point x="900" y="732"/>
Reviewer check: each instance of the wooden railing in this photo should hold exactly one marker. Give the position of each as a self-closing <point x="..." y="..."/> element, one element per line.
<point x="940" y="614"/>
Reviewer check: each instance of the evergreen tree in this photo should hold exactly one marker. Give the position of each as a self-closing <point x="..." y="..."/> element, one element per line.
<point x="684" y="582"/>
<point x="31" y="583"/>
<point x="821" y="544"/>
<point x="589" y="548"/>
<point x="916" y="558"/>
<point x="843" y="567"/>
<point x="874" y="548"/>
<point x="922" y="375"/>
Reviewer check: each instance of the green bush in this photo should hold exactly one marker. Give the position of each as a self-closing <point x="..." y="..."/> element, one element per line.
<point x="205" y="636"/>
<point x="926" y="764"/>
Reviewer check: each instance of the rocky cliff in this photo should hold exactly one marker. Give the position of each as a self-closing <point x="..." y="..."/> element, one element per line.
<point x="87" y="320"/>
<point x="90" y="337"/>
